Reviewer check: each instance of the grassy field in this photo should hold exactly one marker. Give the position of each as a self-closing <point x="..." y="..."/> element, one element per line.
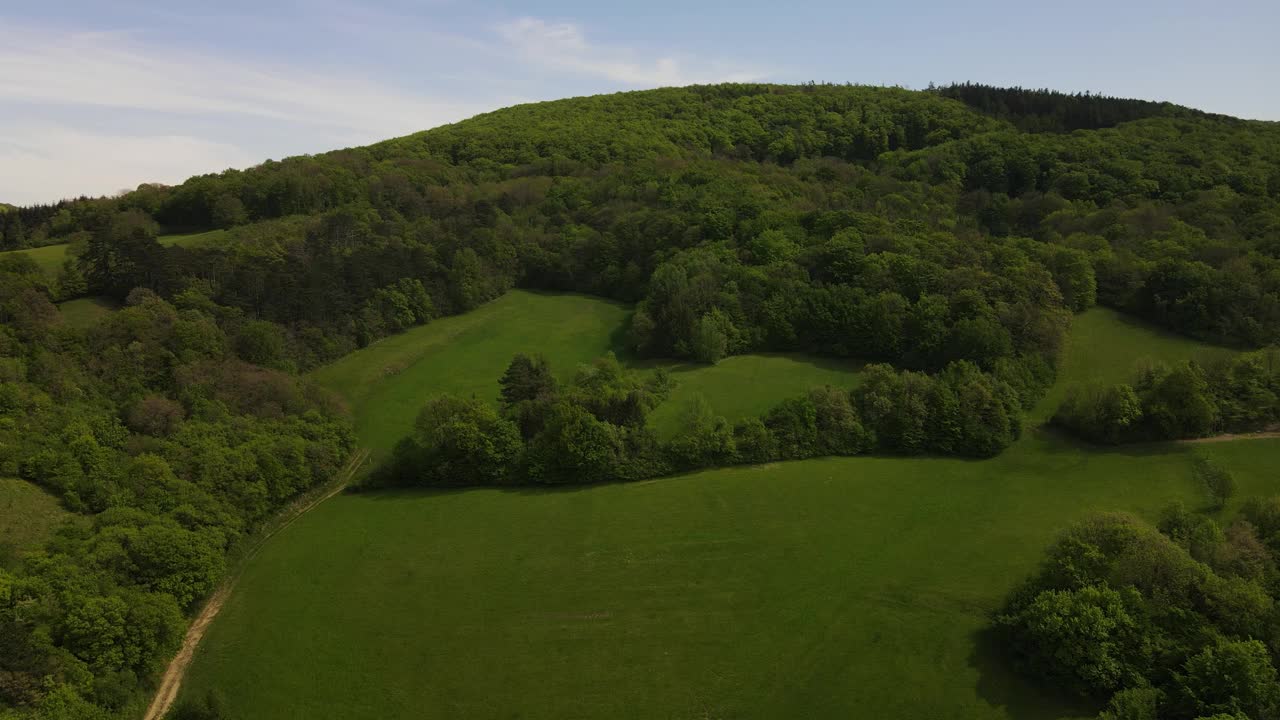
<point x="386" y="383"/>
<point x="84" y="312"/>
<point x="50" y="257"/>
<point x="747" y="385"/>
<point x="844" y="587"/>
<point x="830" y="588"/>
<point x="1106" y="346"/>
<point x="28" y="515"/>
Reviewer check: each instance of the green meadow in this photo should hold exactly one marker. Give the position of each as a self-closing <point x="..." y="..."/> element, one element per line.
<point x="387" y="382"/>
<point x="1107" y="346"/>
<point x="747" y="385"/>
<point x="839" y="587"/>
<point x="84" y="312"/>
<point x="28" y="515"/>
<point x="51" y="257"/>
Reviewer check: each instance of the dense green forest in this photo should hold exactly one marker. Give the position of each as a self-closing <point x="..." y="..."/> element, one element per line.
<point x="150" y="425"/>
<point x="949" y="233"/>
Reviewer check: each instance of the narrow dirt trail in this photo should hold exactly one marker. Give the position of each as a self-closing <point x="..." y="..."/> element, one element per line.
<point x="171" y="681"/>
<point x="1228" y="437"/>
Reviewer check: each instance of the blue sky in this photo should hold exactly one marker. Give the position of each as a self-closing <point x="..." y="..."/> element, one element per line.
<point x="97" y="96"/>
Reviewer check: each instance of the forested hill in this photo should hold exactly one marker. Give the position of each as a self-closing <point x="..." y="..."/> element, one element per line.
<point x="911" y="200"/>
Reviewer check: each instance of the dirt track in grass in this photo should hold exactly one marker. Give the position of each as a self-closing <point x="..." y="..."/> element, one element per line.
<point x="171" y="681"/>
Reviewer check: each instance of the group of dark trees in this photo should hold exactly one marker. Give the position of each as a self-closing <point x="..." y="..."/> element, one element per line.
<point x="594" y="429"/>
<point x="1174" y="622"/>
<point x="1047" y="110"/>
<point x="170" y="447"/>
<point x="1237" y="394"/>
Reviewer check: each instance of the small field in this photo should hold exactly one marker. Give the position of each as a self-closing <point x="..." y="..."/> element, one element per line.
<point x="747" y="385"/>
<point x="1106" y="346"/>
<point x="85" y="312"/>
<point x="388" y="382"/>
<point x="51" y="257"/>
<point x="843" y="587"/>
<point x="28" y="515"/>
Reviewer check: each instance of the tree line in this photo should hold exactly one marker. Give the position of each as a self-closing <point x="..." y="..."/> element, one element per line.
<point x="1045" y="110"/>
<point x="595" y="428"/>
<point x="1187" y="400"/>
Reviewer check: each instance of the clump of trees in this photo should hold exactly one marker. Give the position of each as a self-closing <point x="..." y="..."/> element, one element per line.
<point x="1044" y="110"/>
<point x="594" y="428"/>
<point x="1188" y="400"/>
<point x="1174" y="621"/>
<point x="591" y="429"/>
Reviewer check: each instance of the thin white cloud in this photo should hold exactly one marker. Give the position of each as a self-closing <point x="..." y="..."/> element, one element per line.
<point x="96" y="112"/>
<point x="91" y="113"/>
<point x="564" y="46"/>
<point x="112" y="70"/>
<point x="59" y="162"/>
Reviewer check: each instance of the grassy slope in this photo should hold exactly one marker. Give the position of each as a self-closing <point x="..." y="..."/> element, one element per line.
<point x="28" y="515"/>
<point x="849" y="587"/>
<point x="387" y="382"/>
<point x="50" y="257"/>
<point x="747" y="385"/>
<point x="84" y="312"/>
<point x="1106" y="346"/>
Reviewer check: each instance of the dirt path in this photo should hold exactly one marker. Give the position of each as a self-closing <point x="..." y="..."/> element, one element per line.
<point x="1227" y="437"/>
<point x="171" y="681"/>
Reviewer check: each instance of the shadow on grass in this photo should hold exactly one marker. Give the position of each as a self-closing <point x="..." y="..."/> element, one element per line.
<point x="1053" y="441"/>
<point x="678" y="367"/>
<point x="1000" y="686"/>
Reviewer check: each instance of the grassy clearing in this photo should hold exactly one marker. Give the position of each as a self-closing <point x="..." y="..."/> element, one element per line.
<point x="1107" y="346"/>
<point x="843" y="587"/>
<point x="28" y="515"/>
<point x="747" y="385"/>
<point x="51" y="257"/>
<point x="387" y="382"/>
<point x="85" y="312"/>
<point x="193" y="239"/>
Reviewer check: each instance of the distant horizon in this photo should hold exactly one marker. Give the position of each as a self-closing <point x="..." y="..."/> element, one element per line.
<point x="96" y="98"/>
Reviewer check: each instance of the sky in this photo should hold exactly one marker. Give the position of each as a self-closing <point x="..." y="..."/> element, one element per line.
<point x="98" y="96"/>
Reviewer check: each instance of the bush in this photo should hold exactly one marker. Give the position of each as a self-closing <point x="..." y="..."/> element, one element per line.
<point x="1089" y="641"/>
<point x="155" y="415"/>
<point x="1100" y="413"/>
<point x="1218" y="481"/>
<point x="459" y="441"/>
